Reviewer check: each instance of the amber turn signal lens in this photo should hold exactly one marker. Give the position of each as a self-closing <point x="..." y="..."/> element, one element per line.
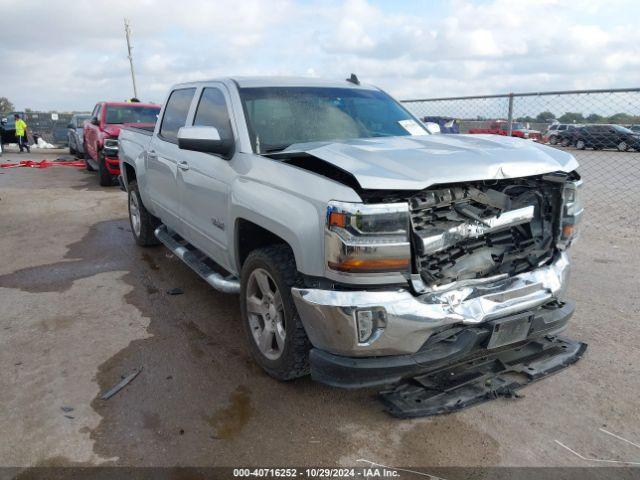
<point x="371" y="266"/>
<point x="337" y="219"/>
<point x="567" y="231"/>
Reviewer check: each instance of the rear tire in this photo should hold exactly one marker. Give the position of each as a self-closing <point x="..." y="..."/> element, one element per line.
<point x="143" y="224"/>
<point x="622" y="146"/>
<point x="580" y="145"/>
<point x="284" y="354"/>
<point x="106" y="178"/>
<point x="553" y="140"/>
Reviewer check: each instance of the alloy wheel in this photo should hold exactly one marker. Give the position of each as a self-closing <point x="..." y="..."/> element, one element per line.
<point x="134" y="213"/>
<point x="265" y="313"/>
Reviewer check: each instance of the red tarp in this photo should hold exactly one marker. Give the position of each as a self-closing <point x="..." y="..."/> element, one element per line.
<point x="43" y="164"/>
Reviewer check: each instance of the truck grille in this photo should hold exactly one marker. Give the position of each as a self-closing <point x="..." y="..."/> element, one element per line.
<point x="484" y="228"/>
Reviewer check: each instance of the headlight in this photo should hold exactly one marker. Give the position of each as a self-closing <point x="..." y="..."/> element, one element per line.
<point x="111" y="146"/>
<point x="362" y="238"/>
<point x="571" y="213"/>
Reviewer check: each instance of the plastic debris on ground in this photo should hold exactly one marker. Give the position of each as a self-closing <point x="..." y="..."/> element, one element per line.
<point x="42" y="144"/>
<point x="120" y="385"/>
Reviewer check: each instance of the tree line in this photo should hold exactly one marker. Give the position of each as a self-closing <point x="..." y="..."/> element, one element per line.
<point x="577" y="117"/>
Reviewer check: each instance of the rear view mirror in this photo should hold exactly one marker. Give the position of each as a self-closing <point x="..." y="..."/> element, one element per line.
<point x="204" y="139"/>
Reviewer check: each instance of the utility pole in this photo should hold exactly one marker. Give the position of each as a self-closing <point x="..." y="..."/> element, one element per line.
<point x="127" y="31"/>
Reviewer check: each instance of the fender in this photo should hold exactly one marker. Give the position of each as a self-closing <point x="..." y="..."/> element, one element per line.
<point x="291" y="217"/>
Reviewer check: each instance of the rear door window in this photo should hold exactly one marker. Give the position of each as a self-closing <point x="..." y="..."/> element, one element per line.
<point x="175" y="113"/>
<point x="212" y="112"/>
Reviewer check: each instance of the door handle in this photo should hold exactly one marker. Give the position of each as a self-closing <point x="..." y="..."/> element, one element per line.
<point x="182" y="165"/>
<point x="151" y="154"/>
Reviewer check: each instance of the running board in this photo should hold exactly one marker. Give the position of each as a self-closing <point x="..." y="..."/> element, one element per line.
<point x="229" y="284"/>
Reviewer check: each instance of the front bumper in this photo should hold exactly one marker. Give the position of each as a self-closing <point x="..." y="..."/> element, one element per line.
<point x="112" y="164"/>
<point x="449" y="347"/>
<point x="329" y="316"/>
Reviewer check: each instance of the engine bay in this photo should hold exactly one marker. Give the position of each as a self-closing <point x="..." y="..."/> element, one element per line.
<point x="484" y="228"/>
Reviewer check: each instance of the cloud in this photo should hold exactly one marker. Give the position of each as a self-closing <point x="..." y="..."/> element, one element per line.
<point x="67" y="55"/>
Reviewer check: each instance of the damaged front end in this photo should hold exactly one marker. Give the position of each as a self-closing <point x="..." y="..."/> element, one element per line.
<point x="486" y="273"/>
<point x="483" y="229"/>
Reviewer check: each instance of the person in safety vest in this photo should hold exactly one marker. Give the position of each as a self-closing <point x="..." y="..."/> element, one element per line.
<point x="21" y="133"/>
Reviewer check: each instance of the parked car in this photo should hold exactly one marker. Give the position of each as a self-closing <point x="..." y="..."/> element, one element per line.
<point x="501" y="127"/>
<point x="606" y="136"/>
<point x="75" y="133"/>
<point x="446" y="124"/>
<point x="635" y="128"/>
<point x="100" y="135"/>
<point x="360" y="253"/>
<point x="567" y="136"/>
<point x="555" y="130"/>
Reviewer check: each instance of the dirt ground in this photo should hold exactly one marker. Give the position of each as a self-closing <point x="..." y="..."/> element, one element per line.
<point x="82" y="306"/>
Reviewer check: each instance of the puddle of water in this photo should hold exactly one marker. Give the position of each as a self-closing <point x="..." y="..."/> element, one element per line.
<point x="150" y="261"/>
<point x="228" y="422"/>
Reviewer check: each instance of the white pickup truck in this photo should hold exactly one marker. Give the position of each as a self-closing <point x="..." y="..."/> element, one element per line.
<point x="365" y="250"/>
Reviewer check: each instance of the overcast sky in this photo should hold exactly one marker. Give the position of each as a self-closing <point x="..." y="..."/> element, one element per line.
<point x="66" y="55"/>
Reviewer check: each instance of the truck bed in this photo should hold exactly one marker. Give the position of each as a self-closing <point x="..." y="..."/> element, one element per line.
<point x="144" y="129"/>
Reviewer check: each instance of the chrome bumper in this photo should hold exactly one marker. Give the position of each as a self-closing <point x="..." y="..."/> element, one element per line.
<point x="329" y="316"/>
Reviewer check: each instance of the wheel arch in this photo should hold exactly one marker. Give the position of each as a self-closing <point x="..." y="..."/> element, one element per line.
<point x="250" y="236"/>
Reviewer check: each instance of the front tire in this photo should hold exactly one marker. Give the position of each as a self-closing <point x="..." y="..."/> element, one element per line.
<point x="277" y="339"/>
<point x="143" y="223"/>
<point x="106" y="178"/>
<point x="580" y="145"/>
<point x="622" y="146"/>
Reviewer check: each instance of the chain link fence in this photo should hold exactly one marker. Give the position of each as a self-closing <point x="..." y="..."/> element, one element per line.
<point x="601" y="128"/>
<point x="51" y="126"/>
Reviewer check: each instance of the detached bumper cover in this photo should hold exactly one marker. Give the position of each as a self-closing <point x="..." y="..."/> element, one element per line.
<point x="492" y="376"/>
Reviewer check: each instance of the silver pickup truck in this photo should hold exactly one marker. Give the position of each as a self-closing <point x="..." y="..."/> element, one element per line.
<point x="365" y="249"/>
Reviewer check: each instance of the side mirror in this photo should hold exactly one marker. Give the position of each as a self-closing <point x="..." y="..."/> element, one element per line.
<point x="204" y="139"/>
<point x="432" y="127"/>
<point x="95" y="121"/>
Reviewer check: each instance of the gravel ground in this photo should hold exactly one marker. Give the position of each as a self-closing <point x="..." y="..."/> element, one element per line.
<point x="83" y="306"/>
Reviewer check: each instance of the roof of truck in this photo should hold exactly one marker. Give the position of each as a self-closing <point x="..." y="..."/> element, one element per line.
<point x="265" y="81"/>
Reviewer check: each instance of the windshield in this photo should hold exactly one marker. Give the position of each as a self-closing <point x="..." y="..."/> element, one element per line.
<point x="131" y="114"/>
<point x="280" y="116"/>
<point x="80" y="119"/>
<point x="621" y="129"/>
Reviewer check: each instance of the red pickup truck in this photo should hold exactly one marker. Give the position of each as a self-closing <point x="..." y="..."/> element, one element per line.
<point x="100" y="136"/>
<point x="501" y="127"/>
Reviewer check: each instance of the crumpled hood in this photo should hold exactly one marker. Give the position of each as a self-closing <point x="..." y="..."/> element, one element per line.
<point x="417" y="162"/>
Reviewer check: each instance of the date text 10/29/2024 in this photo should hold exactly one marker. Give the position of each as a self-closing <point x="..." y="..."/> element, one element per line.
<point x="328" y="473"/>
